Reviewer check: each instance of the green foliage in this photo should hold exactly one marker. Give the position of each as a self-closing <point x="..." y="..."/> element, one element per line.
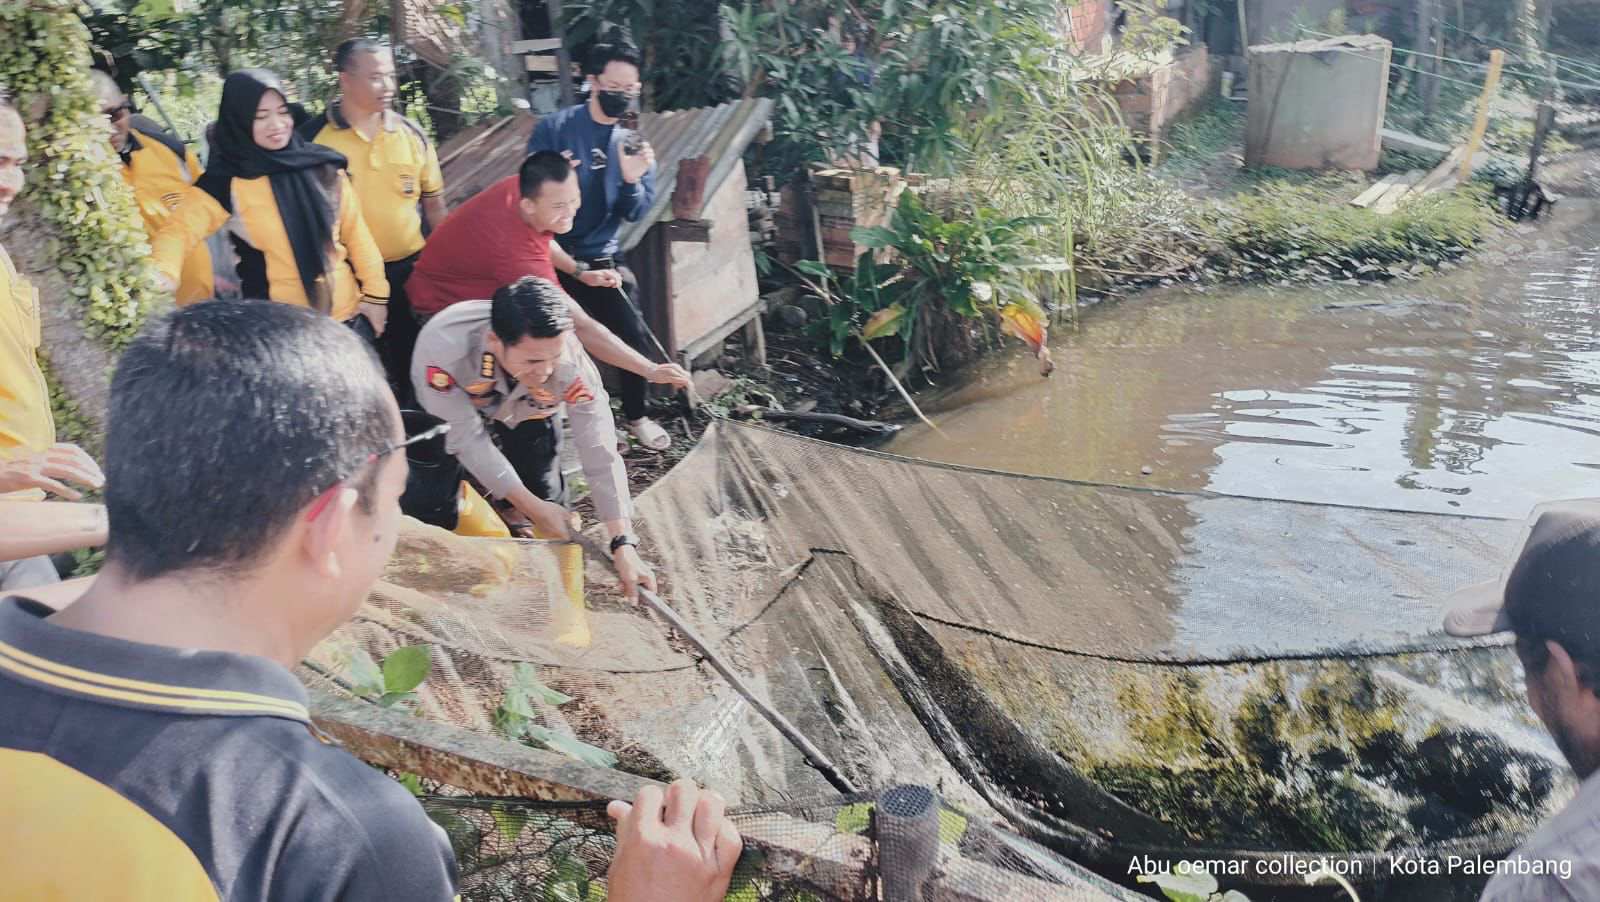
<point x="1204" y="135"/>
<point x="1053" y="145"/>
<point x="294" y="39"/>
<point x="405" y="668"/>
<point x="967" y="264"/>
<point x="390" y="684"/>
<point x="680" y="41"/>
<point x="918" y="67"/>
<point x="71" y="424"/>
<point x="185" y="51"/>
<point x="75" y="184"/>
<point x="1184" y="887"/>
<point x="857" y="819"/>
<point x="1305" y="230"/>
<point x="517" y="718"/>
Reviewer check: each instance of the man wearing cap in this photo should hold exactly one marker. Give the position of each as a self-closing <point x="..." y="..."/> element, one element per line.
<point x="1550" y="598"/>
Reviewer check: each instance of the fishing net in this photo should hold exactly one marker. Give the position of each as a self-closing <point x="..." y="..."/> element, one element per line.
<point x="1127" y="677"/>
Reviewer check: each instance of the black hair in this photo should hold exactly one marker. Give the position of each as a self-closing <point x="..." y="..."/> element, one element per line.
<point x="606" y="53"/>
<point x="540" y="167"/>
<point x="346" y="52"/>
<point x="1535" y="655"/>
<point x="226" y="419"/>
<point x="530" y="307"/>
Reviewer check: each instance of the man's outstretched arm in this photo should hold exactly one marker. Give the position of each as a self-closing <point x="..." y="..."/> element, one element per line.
<point x="606" y="347"/>
<point x="32" y="528"/>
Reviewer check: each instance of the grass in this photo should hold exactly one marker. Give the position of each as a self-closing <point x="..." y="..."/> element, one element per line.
<point x="1197" y="141"/>
<point x="1308" y="229"/>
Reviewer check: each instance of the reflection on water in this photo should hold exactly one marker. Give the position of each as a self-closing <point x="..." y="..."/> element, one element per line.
<point x="1475" y="392"/>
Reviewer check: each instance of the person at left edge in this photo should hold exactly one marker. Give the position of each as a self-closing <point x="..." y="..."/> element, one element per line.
<point x="289" y="208"/>
<point x="395" y="171"/>
<point x="159" y="169"/>
<point x="31" y="462"/>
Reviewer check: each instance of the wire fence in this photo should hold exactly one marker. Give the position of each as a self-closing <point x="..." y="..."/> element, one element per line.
<point x="1435" y="96"/>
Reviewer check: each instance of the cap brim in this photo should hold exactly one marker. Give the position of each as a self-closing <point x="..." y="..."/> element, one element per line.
<point x="1477" y="610"/>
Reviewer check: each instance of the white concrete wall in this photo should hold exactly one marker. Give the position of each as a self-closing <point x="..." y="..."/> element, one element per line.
<point x="1318" y="104"/>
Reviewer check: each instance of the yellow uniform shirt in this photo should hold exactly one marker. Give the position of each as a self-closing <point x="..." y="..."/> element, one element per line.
<point x="266" y="260"/>
<point x="392" y="171"/>
<point x="26" y="426"/>
<point x="160" y="170"/>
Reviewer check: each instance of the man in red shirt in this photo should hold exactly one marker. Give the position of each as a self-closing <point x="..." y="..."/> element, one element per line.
<point x="504" y="234"/>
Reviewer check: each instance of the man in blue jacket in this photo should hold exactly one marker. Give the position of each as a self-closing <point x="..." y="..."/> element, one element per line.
<point x="617" y="180"/>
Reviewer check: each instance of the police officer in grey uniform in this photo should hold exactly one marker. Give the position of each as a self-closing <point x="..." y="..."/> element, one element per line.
<point x="501" y="373"/>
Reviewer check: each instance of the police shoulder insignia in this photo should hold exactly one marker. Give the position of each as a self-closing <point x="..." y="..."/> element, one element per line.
<point x="478" y="388"/>
<point x="578" y="392"/>
<point x="486" y="366"/>
<point x="439" y="380"/>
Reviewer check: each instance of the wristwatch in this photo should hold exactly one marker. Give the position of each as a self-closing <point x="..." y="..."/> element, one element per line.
<point x="579" y="267"/>
<point x="624" y="539"/>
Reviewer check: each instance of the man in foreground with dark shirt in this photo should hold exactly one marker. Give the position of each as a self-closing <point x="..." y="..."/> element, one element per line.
<point x="1550" y="598"/>
<point x="155" y="743"/>
<point x="616" y="171"/>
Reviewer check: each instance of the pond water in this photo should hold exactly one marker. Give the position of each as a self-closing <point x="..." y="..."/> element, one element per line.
<point x="1474" y="391"/>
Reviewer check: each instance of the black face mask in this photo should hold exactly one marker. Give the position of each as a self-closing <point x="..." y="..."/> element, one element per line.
<point x="614" y="103"/>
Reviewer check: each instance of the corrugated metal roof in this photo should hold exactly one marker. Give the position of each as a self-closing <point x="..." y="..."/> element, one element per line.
<point x="480" y="156"/>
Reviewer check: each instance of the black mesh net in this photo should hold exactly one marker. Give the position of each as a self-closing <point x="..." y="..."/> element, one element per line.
<point x="1118" y="675"/>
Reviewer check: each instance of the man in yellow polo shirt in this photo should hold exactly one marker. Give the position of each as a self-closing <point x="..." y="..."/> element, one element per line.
<point x="159" y="168"/>
<point x="31" y="463"/>
<point x="395" y="170"/>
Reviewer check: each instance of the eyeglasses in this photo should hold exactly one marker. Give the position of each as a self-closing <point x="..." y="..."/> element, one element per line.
<point x="117" y="112"/>
<point x="326" y="495"/>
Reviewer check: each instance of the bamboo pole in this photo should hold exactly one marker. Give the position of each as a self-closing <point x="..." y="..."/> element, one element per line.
<point x="1491" y="83"/>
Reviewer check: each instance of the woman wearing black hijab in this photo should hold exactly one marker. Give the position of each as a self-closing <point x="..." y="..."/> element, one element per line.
<point x="288" y="206"/>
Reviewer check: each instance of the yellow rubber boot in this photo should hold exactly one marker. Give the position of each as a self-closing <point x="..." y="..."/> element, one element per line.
<point x="570" y="617"/>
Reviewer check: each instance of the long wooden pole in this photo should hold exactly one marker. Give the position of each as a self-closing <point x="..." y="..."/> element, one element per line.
<point x="813" y="755"/>
<point x="1491" y="83"/>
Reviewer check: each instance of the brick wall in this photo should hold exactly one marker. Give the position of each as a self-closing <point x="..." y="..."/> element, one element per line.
<point x="1151" y="103"/>
<point x="1084" y="23"/>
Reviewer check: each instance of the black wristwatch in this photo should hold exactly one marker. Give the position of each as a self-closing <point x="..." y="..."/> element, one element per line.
<point x="624" y="539"/>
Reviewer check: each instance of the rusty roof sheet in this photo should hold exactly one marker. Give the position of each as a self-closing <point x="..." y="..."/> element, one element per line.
<point x="490" y="151"/>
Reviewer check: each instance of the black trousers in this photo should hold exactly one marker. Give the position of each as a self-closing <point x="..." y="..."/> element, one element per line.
<point x="400" y="335"/>
<point x="617" y="311"/>
<point x="434" y="479"/>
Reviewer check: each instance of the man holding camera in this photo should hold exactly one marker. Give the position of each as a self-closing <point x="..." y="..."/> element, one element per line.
<point x="616" y="178"/>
